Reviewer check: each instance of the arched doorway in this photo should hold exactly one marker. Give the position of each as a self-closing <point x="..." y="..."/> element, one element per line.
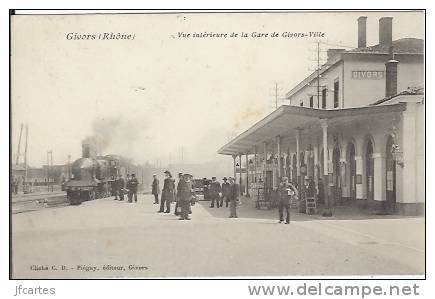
<point x="310" y="165"/>
<point x="369" y="170"/>
<point x="294" y="170"/>
<point x="287" y="166"/>
<point x="321" y="182"/>
<point x="352" y="170"/>
<point x="390" y="176"/>
<point x="302" y="169"/>
<point x="336" y="176"/>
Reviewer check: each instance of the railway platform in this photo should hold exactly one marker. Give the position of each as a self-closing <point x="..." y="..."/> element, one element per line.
<point x="105" y="238"/>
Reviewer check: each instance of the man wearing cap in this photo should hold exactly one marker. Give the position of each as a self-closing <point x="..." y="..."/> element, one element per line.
<point x="226" y="189"/>
<point x="233" y="197"/>
<point x="184" y="196"/>
<point x="285" y="191"/>
<point x="215" y="189"/>
<point x="180" y="179"/>
<point x="167" y="193"/>
<point x="155" y="189"/>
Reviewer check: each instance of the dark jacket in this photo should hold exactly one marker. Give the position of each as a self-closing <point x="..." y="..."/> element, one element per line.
<point x="226" y="189"/>
<point x="234" y="192"/>
<point x="133" y="184"/>
<point x="155" y="186"/>
<point x="168" y="189"/>
<point x="215" y="188"/>
<point x="184" y="190"/>
<point x="283" y="191"/>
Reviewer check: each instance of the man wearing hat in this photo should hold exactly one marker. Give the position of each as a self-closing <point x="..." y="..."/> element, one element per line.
<point x="167" y="193"/>
<point x="184" y="196"/>
<point x="215" y="189"/>
<point x="226" y="190"/>
<point x="155" y="189"/>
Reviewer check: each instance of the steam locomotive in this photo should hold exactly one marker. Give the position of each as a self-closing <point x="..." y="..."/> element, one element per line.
<point x="93" y="176"/>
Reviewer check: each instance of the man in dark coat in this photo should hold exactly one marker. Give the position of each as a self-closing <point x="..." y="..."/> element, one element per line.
<point x="155" y="189"/>
<point x="180" y="179"/>
<point x="113" y="187"/>
<point x="133" y="187"/>
<point x="120" y="184"/>
<point x="233" y="197"/>
<point x="215" y="189"/>
<point x="167" y="193"/>
<point x="184" y="193"/>
<point x="226" y="190"/>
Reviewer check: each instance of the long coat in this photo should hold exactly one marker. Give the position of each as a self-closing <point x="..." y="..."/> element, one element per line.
<point x="184" y="191"/>
<point x="155" y="187"/>
<point x="226" y="189"/>
<point x="215" y="188"/>
<point x="168" y="189"/>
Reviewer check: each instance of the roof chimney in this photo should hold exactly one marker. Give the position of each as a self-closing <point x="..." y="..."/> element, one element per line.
<point x="391" y="75"/>
<point x="386" y="31"/>
<point x="333" y="53"/>
<point x="362" y="32"/>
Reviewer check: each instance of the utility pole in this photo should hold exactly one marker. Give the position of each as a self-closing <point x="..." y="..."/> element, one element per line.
<point x="19" y="146"/>
<point x="276" y="95"/>
<point x="318" y="74"/>
<point x="49" y="165"/>
<point x="25" y="155"/>
<point x="69" y="167"/>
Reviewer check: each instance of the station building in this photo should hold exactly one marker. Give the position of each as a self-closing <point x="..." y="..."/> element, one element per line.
<point x="356" y="126"/>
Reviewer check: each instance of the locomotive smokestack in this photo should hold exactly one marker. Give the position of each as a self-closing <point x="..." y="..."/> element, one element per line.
<point x="88" y="149"/>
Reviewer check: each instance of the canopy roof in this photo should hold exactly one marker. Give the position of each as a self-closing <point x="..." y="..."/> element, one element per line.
<point x="286" y="119"/>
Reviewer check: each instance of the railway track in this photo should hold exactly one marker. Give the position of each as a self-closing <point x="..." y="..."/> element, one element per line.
<point x="38" y="202"/>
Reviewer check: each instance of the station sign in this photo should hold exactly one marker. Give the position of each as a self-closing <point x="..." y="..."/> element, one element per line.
<point x="368" y="75"/>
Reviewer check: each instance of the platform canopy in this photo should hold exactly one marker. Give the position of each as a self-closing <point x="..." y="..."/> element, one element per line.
<point x="286" y="119"/>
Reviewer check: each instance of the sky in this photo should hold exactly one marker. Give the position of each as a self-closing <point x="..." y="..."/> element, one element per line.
<point x="159" y="97"/>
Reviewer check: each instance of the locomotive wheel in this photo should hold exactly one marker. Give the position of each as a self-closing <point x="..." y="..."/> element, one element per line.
<point x="91" y="195"/>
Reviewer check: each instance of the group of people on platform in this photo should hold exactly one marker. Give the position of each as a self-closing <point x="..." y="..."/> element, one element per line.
<point x="228" y="192"/>
<point x="121" y="187"/>
<point x="184" y="196"/>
